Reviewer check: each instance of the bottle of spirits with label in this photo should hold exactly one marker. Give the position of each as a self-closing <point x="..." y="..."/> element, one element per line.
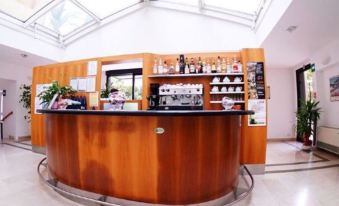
<point x="218" y="65"/>
<point x="204" y="67"/>
<point x="177" y="67"/>
<point x="155" y="67"/>
<point x="165" y="70"/>
<point x="171" y="69"/>
<point x="200" y="66"/>
<point x="208" y="67"/>
<point x="187" y="66"/>
<point x="228" y="66"/>
<point x="182" y="64"/>
<point x="223" y="65"/>
<point x="213" y="68"/>
<point x="192" y="67"/>
<point x="235" y="68"/>
<point x="160" y="67"/>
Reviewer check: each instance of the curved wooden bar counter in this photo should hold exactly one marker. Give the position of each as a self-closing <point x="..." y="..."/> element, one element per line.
<point x="166" y="157"/>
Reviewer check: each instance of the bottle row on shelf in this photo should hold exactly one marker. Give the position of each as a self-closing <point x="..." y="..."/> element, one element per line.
<point x="197" y="65"/>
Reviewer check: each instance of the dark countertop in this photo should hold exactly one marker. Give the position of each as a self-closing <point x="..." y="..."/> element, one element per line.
<point x="148" y="112"/>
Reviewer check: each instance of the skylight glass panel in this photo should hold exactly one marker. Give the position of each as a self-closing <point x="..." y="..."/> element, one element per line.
<point x="246" y="6"/>
<point x="187" y="2"/>
<point x="22" y="9"/>
<point x="104" y="8"/>
<point x="65" y="18"/>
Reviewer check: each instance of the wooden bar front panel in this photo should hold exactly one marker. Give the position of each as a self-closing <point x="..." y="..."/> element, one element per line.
<point x="196" y="159"/>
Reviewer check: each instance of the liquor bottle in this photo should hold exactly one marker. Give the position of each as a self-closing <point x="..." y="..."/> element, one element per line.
<point x="235" y="65"/>
<point x="204" y="67"/>
<point x="223" y="65"/>
<point x="201" y="66"/>
<point x="192" y="66"/>
<point x="218" y="65"/>
<point x="177" y="67"/>
<point x="239" y="67"/>
<point x="155" y="67"/>
<point x="187" y="66"/>
<point x="228" y="66"/>
<point x="182" y="64"/>
<point x="160" y="67"/>
<point x="208" y="67"/>
<point x="171" y="69"/>
<point x="214" y="68"/>
<point x="165" y="67"/>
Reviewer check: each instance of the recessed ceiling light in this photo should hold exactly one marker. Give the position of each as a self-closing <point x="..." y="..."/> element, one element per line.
<point x="24" y="55"/>
<point x="291" y="28"/>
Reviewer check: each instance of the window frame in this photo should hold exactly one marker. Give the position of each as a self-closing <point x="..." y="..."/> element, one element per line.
<point x="122" y="72"/>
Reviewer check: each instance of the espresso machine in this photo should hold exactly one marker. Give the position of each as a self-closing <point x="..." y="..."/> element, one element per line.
<point x="180" y="97"/>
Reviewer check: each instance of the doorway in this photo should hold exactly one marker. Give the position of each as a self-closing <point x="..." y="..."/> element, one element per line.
<point x="305" y="90"/>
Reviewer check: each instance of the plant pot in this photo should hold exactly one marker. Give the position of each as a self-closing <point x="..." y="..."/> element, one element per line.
<point x="307" y="141"/>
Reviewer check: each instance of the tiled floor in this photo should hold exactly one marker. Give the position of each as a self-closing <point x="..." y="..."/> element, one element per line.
<point x="20" y="185"/>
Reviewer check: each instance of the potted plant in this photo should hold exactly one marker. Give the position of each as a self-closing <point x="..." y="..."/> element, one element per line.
<point x="25" y="99"/>
<point x="54" y="91"/>
<point x="307" y="116"/>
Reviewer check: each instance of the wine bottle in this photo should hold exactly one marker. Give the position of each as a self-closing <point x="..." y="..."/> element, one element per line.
<point x="192" y="67"/>
<point x="177" y="67"/>
<point x="187" y="66"/>
<point x="200" y="66"/>
<point x="182" y="64"/>
<point x="204" y="67"/>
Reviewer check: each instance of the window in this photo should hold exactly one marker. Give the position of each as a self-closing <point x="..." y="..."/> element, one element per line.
<point x="64" y="18"/>
<point x="246" y="6"/>
<point x="105" y="8"/>
<point x="128" y="81"/>
<point x="22" y="9"/>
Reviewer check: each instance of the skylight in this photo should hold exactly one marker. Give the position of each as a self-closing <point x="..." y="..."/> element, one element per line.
<point x="187" y="2"/>
<point x="61" y="22"/>
<point x="246" y="6"/>
<point x="64" y="18"/>
<point x="22" y="9"/>
<point x="105" y="8"/>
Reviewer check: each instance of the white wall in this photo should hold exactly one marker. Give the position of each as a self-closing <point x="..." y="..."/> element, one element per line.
<point x="281" y="106"/>
<point x="9" y="124"/>
<point x="21" y="75"/>
<point x="161" y="31"/>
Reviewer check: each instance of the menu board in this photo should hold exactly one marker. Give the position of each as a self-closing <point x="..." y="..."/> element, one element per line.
<point x="256" y="80"/>
<point x="259" y="116"/>
<point x="256" y="93"/>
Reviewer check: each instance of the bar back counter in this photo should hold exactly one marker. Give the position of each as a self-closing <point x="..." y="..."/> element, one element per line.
<point x="166" y="157"/>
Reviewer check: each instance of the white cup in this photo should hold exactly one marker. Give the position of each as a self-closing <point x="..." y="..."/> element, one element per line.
<point x="223" y="89"/>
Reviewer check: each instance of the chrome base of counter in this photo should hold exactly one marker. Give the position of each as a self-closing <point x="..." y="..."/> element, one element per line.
<point x="240" y="192"/>
<point x="39" y="150"/>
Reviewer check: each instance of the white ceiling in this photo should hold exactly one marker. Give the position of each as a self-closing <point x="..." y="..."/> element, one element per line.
<point x="318" y="25"/>
<point x="13" y="56"/>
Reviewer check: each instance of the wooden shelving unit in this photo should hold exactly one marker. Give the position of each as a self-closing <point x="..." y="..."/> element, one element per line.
<point x="227" y="92"/>
<point x="193" y="75"/>
<point x="226" y="83"/>
<point x="219" y="102"/>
